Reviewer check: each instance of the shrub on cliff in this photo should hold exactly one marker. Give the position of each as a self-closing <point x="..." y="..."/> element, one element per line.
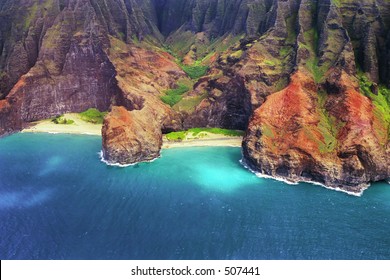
<point x="173" y="96"/>
<point x="62" y="120"/>
<point x="196" y="71"/>
<point x="93" y="116"/>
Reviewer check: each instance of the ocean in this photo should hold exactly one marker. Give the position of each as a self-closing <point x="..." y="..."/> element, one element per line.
<point x="59" y="201"/>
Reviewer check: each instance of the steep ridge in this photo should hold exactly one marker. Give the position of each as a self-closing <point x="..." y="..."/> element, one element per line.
<point x="243" y="77"/>
<point x="70" y="48"/>
<point x="306" y="79"/>
<point x="367" y="23"/>
<point x="321" y="128"/>
<point x="142" y="74"/>
<point x="215" y="17"/>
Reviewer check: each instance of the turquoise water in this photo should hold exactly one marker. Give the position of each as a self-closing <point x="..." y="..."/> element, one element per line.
<point x="58" y="201"/>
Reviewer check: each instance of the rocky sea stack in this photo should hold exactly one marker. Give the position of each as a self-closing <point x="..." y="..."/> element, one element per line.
<point x="308" y="80"/>
<point x="130" y="137"/>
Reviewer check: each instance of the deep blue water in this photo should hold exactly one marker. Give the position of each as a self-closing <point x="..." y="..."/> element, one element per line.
<point x="58" y="201"/>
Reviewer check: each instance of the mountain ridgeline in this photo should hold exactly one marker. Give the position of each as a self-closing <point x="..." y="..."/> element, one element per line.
<point x="307" y="79"/>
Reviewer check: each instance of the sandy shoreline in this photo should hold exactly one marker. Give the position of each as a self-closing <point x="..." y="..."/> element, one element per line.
<point x="79" y="127"/>
<point x="84" y="128"/>
<point x="212" y="142"/>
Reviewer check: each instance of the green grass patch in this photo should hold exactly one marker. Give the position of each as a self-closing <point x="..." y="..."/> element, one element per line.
<point x="222" y="44"/>
<point x="93" y="116"/>
<point x="337" y="3"/>
<point x="201" y="132"/>
<point x="328" y="131"/>
<point x="215" y="130"/>
<point x="292" y="34"/>
<point x="266" y="130"/>
<point x="206" y="58"/>
<point x="173" y="96"/>
<point x="32" y="12"/>
<point x="381" y="101"/>
<point x="62" y="120"/>
<point x="237" y="55"/>
<point x="195" y="71"/>
<point x="328" y="126"/>
<point x="285" y="51"/>
<point x="181" y="89"/>
<point x="171" y="100"/>
<point x="179" y="43"/>
<point x="188" y="104"/>
<point x="312" y="64"/>
<point x="269" y="63"/>
<point x="176" y="136"/>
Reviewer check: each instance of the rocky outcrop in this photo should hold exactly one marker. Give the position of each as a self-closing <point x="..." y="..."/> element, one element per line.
<point x="330" y="139"/>
<point x="130" y="136"/>
<point x="228" y="105"/>
<point x="243" y="77"/>
<point x="133" y="132"/>
<point x="62" y="60"/>
<point x="56" y="52"/>
<point x="143" y="75"/>
<point x="367" y="23"/>
<point x="321" y="128"/>
<point x="9" y="118"/>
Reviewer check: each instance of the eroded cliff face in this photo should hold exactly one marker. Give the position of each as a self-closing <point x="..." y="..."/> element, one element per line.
<point x="55" y="59"/>
<point x="321" y="127"/>
<point x="64" y="56"/>
<point x="306" y="79"/>
<point x="336" y="140"/>
<point x="314" y="116"/>
<point x="142" y="75"/>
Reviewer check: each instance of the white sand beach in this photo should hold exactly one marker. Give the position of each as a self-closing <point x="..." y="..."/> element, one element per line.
<point x="207" y="139"/>
<point x="82" y="127"/>
<point x="79" y="126"/>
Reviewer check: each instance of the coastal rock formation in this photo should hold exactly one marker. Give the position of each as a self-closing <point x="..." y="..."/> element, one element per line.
<point x="52" y="60"/>
<point x="321" y="128"/>
<point x="130" y="137"/>
<point x="307" y="79"/>
<point x="9" y="118"/>
<point x="67" y="59"/>
<point x="331" y="140"/>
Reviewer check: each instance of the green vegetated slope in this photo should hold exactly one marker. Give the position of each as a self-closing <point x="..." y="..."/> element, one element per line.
<point x="195" y="54"/>
<point x="174" y="95"/>
<point x="62" y="120"/>
<point x="380" y="96"/>
<point x="93" y="115"/>
<point x="196" y="133"/>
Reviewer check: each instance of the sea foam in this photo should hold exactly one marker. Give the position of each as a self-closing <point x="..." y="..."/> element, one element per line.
<point x="288" y="182"/>
<point x="102" y="159"/>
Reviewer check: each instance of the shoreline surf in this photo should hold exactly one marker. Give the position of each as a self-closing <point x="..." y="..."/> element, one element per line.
<point x="81" y="127"/>
<point x="214" y="141"/>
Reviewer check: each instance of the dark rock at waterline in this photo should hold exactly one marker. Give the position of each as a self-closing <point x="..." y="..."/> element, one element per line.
<point x="130" y="137"/>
